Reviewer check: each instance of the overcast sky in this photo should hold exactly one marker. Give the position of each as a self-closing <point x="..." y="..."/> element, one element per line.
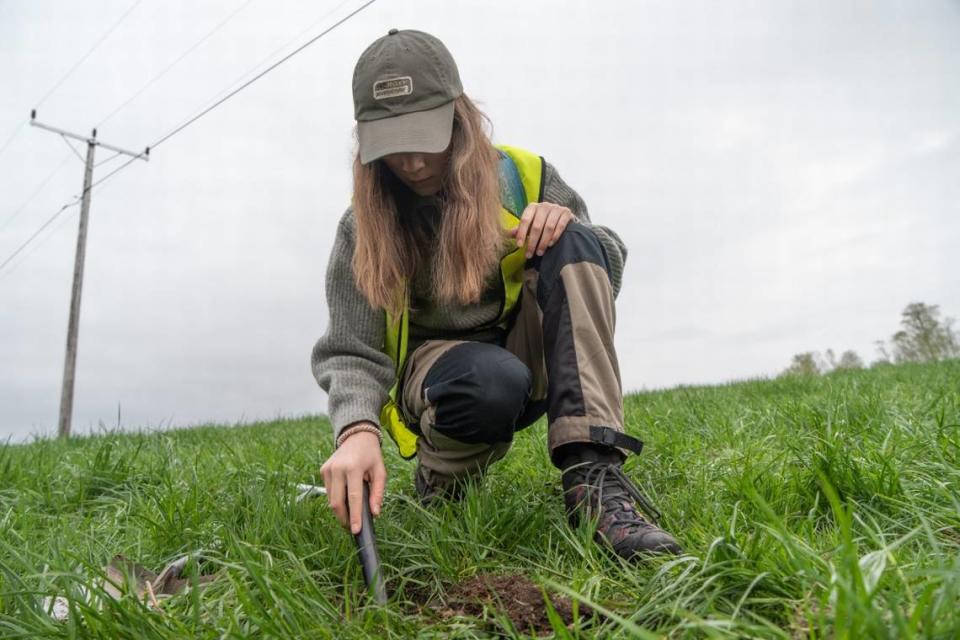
<point x="784" y="174"/>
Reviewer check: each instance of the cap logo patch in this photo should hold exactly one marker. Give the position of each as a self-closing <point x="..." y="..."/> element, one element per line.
<point x="392" y="88"/>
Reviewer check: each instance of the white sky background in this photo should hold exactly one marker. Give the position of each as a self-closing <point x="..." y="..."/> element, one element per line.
<point x="785" y="175"/>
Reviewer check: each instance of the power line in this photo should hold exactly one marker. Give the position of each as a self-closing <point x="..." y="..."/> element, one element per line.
<point x="113" y="157"/>
<point x="261" y="74"/>
<point x="13" y="135"/>
<point x="187" y="123"/>
<point x="69" y="73"/>
<point x="175" y="62"/>
<point x="110" y="175"/>
<point x="74" y="202"/>
<point x="37" y="232"/>
<point x="95" y="46"/>
<point x="41" y="241"/>
<point x="35" y="193"/>
<point x="246" y="84"/>
<point x="286" y="44"/>
<point x="74" y="149"/>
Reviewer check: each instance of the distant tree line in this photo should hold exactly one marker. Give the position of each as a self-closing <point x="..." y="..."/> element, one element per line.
<point x="923" y="337"/>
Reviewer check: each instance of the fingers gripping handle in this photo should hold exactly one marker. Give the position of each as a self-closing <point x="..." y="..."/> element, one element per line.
<point x="367" y="549"/>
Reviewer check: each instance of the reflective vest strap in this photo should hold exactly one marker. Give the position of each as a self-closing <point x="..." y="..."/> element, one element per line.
<point x="511" y="269"/>
<point x="395" y="346"/>
<point x="395" y="339"/>
<point x="513" y="198"/>
<point x="404" y="335"/>
<point x="530" y="166"/>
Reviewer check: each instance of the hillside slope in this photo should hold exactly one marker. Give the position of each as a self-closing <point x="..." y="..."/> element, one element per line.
<point x="807" y="506"/>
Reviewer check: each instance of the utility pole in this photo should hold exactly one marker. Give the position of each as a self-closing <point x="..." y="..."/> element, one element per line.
<point x="70" y="363"/>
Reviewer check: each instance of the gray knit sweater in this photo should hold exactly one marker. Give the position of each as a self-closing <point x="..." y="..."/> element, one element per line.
<point x="348" y="361"/>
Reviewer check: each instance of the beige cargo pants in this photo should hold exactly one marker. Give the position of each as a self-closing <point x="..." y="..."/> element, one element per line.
<point x="468" y="398"/>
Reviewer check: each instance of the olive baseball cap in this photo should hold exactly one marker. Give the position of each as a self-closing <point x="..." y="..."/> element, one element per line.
<point x="404" y="86"/>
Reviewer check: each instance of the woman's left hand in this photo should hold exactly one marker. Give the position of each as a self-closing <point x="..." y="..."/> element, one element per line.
<point x="541" y="224"/>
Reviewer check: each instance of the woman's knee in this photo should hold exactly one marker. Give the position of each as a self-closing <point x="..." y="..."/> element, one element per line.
<point x="478" y="391"/>
<point x="577" y="244"/>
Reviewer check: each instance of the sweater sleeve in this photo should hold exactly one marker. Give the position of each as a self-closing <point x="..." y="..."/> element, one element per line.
<point x="348" y="361"/>
<point x="557" y="191"/>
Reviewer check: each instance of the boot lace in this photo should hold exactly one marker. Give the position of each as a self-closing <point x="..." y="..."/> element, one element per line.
<point x="609" y="481"/>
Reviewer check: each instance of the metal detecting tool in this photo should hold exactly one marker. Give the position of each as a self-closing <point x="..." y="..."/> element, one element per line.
<point x="367" y="550"/>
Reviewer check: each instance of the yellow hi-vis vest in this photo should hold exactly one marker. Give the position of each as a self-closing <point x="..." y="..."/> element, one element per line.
<point x="521" y="182"/>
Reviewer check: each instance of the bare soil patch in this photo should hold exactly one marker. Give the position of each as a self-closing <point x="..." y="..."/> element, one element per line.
<point x="515" y="596"/>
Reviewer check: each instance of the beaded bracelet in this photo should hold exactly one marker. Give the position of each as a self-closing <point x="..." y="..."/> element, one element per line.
<point x="357" y="428"/>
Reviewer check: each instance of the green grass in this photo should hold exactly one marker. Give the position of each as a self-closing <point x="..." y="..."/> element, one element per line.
<point x="808" y="507"/>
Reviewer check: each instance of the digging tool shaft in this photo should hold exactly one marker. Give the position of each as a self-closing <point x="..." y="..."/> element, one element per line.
<point x="367" y="549"/>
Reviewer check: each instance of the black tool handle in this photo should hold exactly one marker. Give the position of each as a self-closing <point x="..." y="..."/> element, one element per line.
<point x="367" y="548"/>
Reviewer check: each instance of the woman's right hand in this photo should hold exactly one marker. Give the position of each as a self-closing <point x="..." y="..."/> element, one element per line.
<point x="357" y="459"/>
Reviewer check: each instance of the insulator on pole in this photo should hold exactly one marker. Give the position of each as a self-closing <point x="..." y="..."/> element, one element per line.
<point x="33" y="114"/>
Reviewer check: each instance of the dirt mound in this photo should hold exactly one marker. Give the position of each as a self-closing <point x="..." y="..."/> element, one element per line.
<point x="513" y="595"/>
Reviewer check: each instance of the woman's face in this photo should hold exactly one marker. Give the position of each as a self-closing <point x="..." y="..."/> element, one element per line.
<point x="422" y="172"/>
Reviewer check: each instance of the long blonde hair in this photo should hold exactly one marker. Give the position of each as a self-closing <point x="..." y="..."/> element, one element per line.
<point x="469" y="244"/>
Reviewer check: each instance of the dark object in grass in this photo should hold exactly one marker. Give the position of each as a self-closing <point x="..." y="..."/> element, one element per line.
<point x="513" y="595"/>
<point x="367" y="550"/>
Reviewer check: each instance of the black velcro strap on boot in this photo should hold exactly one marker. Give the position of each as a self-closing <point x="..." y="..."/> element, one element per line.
<point x="613" y="438"/>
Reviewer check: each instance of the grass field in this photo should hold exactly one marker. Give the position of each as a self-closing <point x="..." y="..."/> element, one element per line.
<point x="808" y="507"/>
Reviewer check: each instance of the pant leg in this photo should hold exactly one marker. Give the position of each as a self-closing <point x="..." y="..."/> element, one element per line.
<point x="465" y="398"/>
<point x="564" y="334"/>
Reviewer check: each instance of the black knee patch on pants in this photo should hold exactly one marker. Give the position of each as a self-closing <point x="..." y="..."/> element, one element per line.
<point x="576" y="244"/>
<point x="479" y="390"/>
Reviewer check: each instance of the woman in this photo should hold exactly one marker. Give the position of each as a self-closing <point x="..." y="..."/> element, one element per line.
<point x="469" y="295"/>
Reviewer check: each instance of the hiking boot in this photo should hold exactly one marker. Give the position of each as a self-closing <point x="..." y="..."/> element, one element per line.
<point x="595" y="487"/>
